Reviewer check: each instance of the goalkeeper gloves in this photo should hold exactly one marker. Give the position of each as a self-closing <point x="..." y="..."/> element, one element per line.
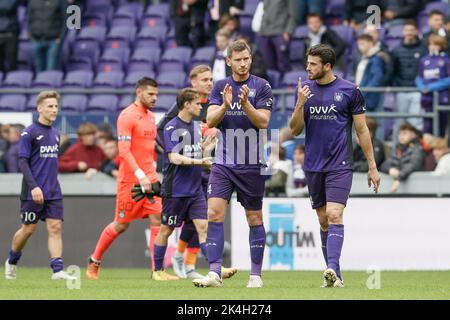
<point x="137" y="194"/>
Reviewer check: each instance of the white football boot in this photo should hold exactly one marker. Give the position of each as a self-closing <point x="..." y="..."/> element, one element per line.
<point x="255" y="282"/>
<point x="10" y="271"/>
<point x="212" y="279"/>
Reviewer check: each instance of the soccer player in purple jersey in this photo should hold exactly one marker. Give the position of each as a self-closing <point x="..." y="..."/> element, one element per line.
<point x="327" y="106"/>
<point x="41" y="197"/>
<point x="183" y="199"/>
<point x="240" y="106"/>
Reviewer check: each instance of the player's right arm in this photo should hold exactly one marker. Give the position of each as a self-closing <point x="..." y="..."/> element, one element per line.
<point x="297" y="121"/>
<point x="216" y="112"/>
<point x="125" y="126"/>
<point x="24" y="166"/>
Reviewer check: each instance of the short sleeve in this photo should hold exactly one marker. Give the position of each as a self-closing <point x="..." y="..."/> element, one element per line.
<point x="264" y="97"/>
<point x="216" y="97"/>
<point x="170" y="138"/>
<point x="357" y="103"/>
<point x="25" y="144"/>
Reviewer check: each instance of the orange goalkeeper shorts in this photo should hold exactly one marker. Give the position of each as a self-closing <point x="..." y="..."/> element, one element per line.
<point x="127" y="210"/>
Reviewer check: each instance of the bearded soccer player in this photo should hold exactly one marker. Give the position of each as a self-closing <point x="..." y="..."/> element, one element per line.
<point x="136" y="130"/>
<point x="183" y="199"/>
<point x="41" y="197"/>
<point x="326" y="107"/>
<point x="240" y="106"/>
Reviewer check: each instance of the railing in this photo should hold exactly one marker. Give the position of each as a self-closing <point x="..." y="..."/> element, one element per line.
<point x="284" y="93"/>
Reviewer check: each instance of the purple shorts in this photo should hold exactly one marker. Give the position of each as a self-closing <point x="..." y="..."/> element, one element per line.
<point x="333" y="186"/>
<point x="248" y="183"/>
<point x="31" y="212"/>
<point x="177" y="210"/>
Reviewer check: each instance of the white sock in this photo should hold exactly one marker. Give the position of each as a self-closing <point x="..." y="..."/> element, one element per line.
<point x="178" y="254"/>
<point x="190" y="268"/>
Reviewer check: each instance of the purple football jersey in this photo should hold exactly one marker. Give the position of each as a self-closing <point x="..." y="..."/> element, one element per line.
<point x="239" y="142"/>
<point x="40" y="145"/>
<point x="433" y="68"/>
<point x="186" y="139"/>
<point x="328" y="124"/>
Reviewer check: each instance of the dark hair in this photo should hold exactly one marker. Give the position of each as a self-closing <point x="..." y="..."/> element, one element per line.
<point x="282" y="153"/>
<point x="313" y="15"/>
<point x="238" y="46"/>
<point x="410" y="22"/>
<point x="325" y="52"/>
<point x="435" y="12"/>
<point x="227" y="17"/>
<point x="300" y="147"/>
<point x="365" y="37"/>
<point x="146" y="81"/>
<point x="408" y="126"/>
<point x="186" y="95"/>
<point x="110" y="139"/>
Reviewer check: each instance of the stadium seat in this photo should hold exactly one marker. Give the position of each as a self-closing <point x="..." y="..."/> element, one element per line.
<point x="133" y="77"/>
<point x="12" y="102"/>
<point x="175" y="59"/>
<point x="103" y="102"/>
<point x="25" y="56"/>
<point x="297" y="51"/>
<point x="345" y="32"/>
<point x="74" y="102"/>
<point x="156" y="15"/>
<point x="109" y="80"/>
<point x="392" y="43"/>
<point x="203" y="55"/>
<point x="78" y="79"/>
<point x="300" y="33"/>
<point x="171" y="80"/>
<point x="88" y="49"/>
<point x="94" y="19"/>
<point x="395" y="32"/>
<point x="97" y="34"/>
<point x="98" y="3"/>
<point x="121" y="36"/>
<point x="48" y="79"/>
<point x="110" y="64"/>
<point x="290" y="79"/>
<point x="151" y="37"/>
<point x="18" y="79"/>
<point x="164" y="102"/>
<point x="436" y="5"/>
<point x="124" y="101"/>
<point x="31" y="103"/>
<point x="76" y="64"/>
<point x="127" y="15"/>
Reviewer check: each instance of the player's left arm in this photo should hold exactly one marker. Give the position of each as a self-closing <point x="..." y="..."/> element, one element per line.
<point x="259" y="115"/>
<point x="366" y="145"/>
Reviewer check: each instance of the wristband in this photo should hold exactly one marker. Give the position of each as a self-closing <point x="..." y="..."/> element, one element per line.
<point x="139" y="174"/>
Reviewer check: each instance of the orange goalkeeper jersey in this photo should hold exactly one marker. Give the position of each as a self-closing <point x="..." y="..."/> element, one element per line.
<point x="136" y="131"/>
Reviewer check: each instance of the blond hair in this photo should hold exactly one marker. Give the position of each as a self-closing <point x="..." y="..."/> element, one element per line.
<point x="198" y="69"/>
<point x="48" y="94"/>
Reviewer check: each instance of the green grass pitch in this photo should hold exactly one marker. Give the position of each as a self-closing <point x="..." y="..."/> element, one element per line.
<point x="35" y="283"/>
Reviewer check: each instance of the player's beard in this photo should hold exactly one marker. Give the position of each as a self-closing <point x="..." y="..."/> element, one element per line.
<point x="318" y="75"/>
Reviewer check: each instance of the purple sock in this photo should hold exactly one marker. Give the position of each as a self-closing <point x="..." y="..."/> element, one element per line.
<point x="14" y="257"/>
<point x="214" y="246"/>
<point x="204" y="251"/>
<point x="159" y="252"/>
<point x="57" y="264"/>
<point x="335" y="241"/>
<point x="257" y="240"/>
<point x="323" y="238"/>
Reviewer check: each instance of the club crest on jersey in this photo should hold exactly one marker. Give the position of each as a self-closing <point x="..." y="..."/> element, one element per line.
<point x="338" y="96"/>
<point x="252" y="93"/>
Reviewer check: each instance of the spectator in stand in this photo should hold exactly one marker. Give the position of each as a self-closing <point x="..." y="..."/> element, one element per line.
<point x="396" y="11"/>
<point x="104" y="132"/>
<point x="12" y="155"/>
<point x="64" y="143"/>
<point x="355" y="12"/>
<point x="4" y="131"/>
<point x="188" y="16"/>
<point x="441" y="153"/>
<point x="405" y="65"/>
<point x="436" y="21"/>
<point x="231" y="24"/>
<point x="219" y="8"/>
<point x="306" y="7"/>
<point x="287" y="142"/>
<point x="278" y="23"/>
<point x="359" y="159"/>
<point x="281" y="168"/>
<point x="111" y="164"/>
<point x="46" y="23"/>
<point x="434" y="75"/>
<point x="84" y="154"/>
<point x="258" y="67"/>
<point x="296" y="182"/>
<point x="9" y="35"/>
<point x="370" y="70"/>
<point x="409" y="156"/>
<point x="219" y="65"/>
<point x="383" y="52"/>
<point x="318" y="33"/>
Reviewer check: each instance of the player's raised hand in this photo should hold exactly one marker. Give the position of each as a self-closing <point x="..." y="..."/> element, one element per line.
<point x="208" y="145"/>
<point x="303" y="94"/>
<point x="227" y="95"/>
<point x="243" y="96"/>
<point x="373" y="178"/>
<point x="37" y="195"/>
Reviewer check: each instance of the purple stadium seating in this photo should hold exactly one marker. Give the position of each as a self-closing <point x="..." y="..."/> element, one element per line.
<point x="97" y="34"/>
<point x="392" y="43"/>
<point x="151" y="37"/>
<point x="18" y="79"/>
<point x="152" y="55"/>
<point x="78" y="79"/>
<point x="133" y="77"/>
<point x="48" y="79"/>
<point x="109" y="80"/>
<point x="127" y="15"/>
<point x="94" y="19"/>
<point x="124" y="101"/>
<point x="300" y="33"/>
<point x="174" y="80"/>
<point x="290" y="79"/>
<point x="175" y="59"/>
<point x="103" y="102"/>
<point x="25" y="56"/>
<point x="346" y="33"/>
<point x="31" y="103"/>
<point x="164" y="102"/>
<point x="156" y="15"/>
<point x="113" y="60"/>
<point x="121" y="36"/>
<point x="395" y="32"/>
<point x="88" y="49"/>
<point x="203" y="55"/>
<point x="74" y="102"/>
<point x="437" y="5"/>
<point x="91" y="4"/>
<point x="274" y="78"/>
<point x="334" y="7"/>
<point x="1" y="78"/>
<point x="297" y="51"/>
<point x="12" y="102"/>
<point x="76" y="64"/>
